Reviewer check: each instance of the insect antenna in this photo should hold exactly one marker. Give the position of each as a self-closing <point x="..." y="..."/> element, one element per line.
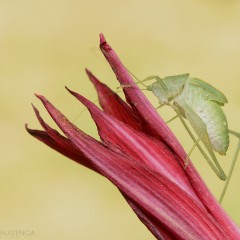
<point x="138" y="80"/>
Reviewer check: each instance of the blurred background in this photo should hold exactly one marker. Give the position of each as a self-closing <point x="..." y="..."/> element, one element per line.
<point x="45" y="45"/>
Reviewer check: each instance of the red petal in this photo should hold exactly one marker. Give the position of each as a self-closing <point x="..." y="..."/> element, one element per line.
<point x="154" y="226"/>
<point x="139" y="146"/>
<point x="157" y="196"/>
<point x="61" y="144"/>
<point x="58" y="142"/>
<point x="113" y="105"/>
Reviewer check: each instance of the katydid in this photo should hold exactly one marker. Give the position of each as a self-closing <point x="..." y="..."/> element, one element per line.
<point x="201" y="104"/>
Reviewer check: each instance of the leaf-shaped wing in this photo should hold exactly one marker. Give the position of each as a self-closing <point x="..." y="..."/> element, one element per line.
<point x="212" y="93"/>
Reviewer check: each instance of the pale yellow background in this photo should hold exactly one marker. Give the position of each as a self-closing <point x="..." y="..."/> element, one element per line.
<point x="45" y="45"/>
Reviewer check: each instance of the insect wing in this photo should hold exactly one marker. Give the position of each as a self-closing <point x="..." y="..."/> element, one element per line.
<point x="177" y="77"/>
<point x="212" y="93"/>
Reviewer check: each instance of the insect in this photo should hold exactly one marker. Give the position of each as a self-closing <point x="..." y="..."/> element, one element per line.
<point x="201" y="104"/>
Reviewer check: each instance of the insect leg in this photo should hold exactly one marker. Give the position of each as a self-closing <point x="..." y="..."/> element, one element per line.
<point x="171" y="119"/>
<point x="195" y="140"/>
<point x="200" y="127"/>
<point x="147" y="79"/>
<point x="232" y="165"/>
<point x="159" y="80"/>
<point x="191" y="150"/>
<point x="144" y="80"/>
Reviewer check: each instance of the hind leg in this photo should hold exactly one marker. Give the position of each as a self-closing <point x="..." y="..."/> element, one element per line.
<point x="201" y="130"/>
<point x="232" y="165"/>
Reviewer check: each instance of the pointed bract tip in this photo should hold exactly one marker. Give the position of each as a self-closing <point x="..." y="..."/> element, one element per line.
<point x="81" y="98"/>
<point x="91" y="77"/>
<point x="39" y="96"/>
<point x="104" y="46"/>
<point x="43" y="99"/>
<point x="102" y="38"/>
<point x="29" y="130"/>
<point x="35" y="109"/>
<point x="68" y="89"/>
<point x="89" y="73"/>
<point x="78" y="96"/>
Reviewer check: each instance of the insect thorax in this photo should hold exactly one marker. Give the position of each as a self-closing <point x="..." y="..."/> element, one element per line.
<point x="159" y="92"/>
<point x="168" y="88"/>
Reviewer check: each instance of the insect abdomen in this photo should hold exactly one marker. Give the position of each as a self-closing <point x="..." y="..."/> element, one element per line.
<point x="212" y="115"/>
<point x="217" y="127"/>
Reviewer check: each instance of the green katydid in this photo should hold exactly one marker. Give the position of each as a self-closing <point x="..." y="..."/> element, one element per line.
<point x="201" y="104"/>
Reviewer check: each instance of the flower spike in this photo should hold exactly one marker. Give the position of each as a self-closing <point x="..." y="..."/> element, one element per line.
<point x="140" y="155"/>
